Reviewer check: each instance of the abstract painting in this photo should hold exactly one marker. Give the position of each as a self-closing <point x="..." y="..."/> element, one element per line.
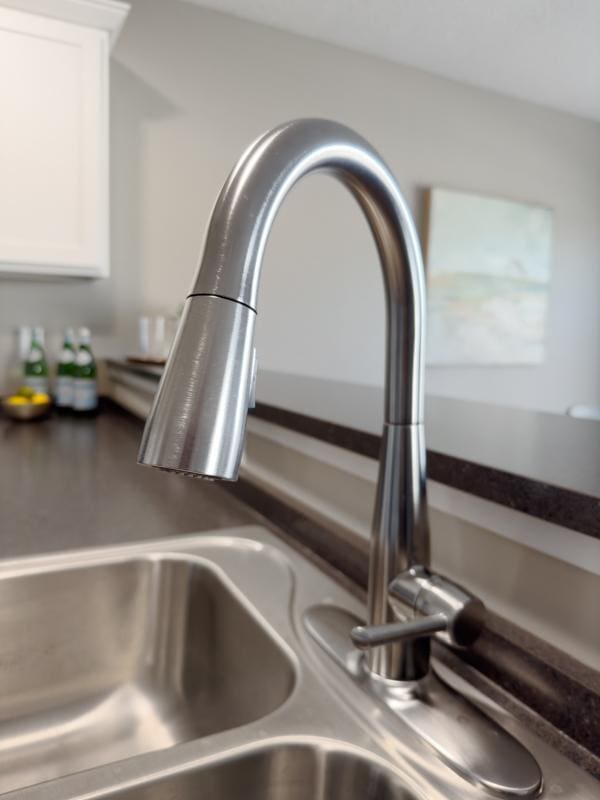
<point x="488" y="275"/>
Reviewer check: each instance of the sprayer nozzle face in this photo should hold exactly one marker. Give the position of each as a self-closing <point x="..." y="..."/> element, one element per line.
<point x="183" y="474"/>
<point x="198" y="420"/>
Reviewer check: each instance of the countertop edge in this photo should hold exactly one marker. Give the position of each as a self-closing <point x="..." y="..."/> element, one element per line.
<point x="558" y="505"/>
<point x="565" y="507"/>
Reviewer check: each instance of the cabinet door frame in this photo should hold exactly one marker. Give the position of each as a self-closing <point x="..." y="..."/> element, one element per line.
<point x="88" y="255"/>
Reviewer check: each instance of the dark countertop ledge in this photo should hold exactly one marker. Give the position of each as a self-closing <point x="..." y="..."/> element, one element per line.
<point x="542" y="464"/>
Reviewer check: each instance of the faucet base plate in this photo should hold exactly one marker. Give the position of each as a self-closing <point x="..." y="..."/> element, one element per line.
<point x="461" y="735"/>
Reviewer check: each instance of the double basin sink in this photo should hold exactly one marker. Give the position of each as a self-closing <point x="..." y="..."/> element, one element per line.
<point x="183" y="670"/>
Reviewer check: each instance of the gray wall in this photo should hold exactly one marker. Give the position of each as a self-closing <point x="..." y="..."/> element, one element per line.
<point x="191" y="88"/>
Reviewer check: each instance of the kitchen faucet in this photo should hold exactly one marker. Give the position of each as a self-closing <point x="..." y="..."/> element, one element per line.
<point x="197" y="423"/>
<point x="198" y="419"/>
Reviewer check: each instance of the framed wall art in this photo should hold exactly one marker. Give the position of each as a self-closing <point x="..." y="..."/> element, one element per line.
<point x="488" y="266"/>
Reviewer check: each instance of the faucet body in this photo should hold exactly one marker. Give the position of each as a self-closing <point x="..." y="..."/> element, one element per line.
<point x="198" y="420"/>
<point x="197" y="426"/>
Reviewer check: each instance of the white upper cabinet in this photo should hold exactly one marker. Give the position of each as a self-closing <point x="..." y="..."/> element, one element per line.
<point x="54" y="169"/>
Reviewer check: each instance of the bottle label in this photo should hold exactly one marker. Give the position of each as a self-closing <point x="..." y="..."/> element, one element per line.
<point x="66" y="356"/>
<point x="39" y="383"/>
<point x="64" y="391"/>
<point x="84" y="357"/>
<point x="85" y="395"/>
<point x="34" y="356"/>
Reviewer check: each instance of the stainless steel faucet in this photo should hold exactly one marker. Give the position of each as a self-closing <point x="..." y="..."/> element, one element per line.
<point x="198" y="420"/>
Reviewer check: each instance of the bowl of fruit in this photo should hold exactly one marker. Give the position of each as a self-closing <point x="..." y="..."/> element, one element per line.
<point x="27" y="404"/>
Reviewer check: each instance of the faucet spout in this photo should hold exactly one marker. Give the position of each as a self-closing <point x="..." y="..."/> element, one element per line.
<point x="198" y="419"/>
<point x="246" y="207"/>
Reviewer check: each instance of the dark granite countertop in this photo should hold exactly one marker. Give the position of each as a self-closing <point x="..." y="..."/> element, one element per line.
<point x="69" y="483"/>
<point x="545" y="465"/>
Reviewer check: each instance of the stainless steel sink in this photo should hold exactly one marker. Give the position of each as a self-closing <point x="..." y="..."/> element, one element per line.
<point x="184" y="669"/>
<point x="103" y="662"/>
<point x="292" y="771"/>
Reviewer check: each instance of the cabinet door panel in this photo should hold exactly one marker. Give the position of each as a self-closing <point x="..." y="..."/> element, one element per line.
<point x="53" y="146"/>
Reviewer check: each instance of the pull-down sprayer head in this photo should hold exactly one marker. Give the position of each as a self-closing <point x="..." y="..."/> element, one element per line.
<point x="197" y="423"/>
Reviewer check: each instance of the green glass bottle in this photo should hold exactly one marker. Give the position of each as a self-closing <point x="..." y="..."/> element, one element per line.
<point x="36" y="366"/>
<point x="64" y="388"/>
<point x="15" y="373"/>
<point x="85" y="392"/>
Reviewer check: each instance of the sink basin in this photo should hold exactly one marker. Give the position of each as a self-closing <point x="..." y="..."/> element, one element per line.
<point x="100" y="663"/>
<point x="291" y="771"/>
<point x="184" y="669"/>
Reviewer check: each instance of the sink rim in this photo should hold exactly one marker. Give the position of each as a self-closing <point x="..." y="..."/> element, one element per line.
<point x="294" y="584"/>
<point x="321" y="745"/>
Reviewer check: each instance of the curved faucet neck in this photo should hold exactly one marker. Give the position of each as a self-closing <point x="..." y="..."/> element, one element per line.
<point x="247" y="205"/>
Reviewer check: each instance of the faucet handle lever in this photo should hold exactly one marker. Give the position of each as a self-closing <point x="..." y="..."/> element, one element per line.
<point x="425" y="604"/>
<point x="366" y="636"/>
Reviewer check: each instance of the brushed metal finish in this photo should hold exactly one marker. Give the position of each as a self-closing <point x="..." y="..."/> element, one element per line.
<point x="423" y="593"/>
<point x="198" y="418"/>
<point x="399" y="540"/>
<point x="248" y="203"/>
<point x="197" y="422"/>
<point x="428" y="604"/>
<point x="104" y="662"/>
<point x="367" y="636"/>
<point x="461" y="735"/>
<point x="146" y="616"/>
<point x="302" y="769"/>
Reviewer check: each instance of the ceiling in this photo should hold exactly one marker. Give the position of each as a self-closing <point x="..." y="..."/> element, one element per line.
<point x="544" y="51"/>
